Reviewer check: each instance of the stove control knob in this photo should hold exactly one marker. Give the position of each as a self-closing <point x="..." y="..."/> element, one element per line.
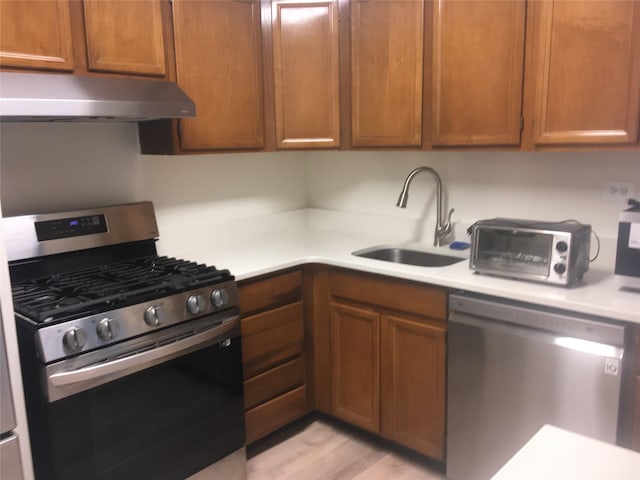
<point x="108" y="329"/>
<point x="74" y="339"/>
<point x="154" y="315"/>
<point x="219" y="297"/>
<point x="195" y="304"/>
<point x="562" y="246"/>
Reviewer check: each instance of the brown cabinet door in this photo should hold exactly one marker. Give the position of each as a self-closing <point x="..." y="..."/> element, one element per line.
<point x="306" y="73"/>
<point x="587" y="72"/>
<point x="124" y="37"/>
<point x="413" y="384"/>
<point x="355" y="351"/>
<point x="36" y="34"/>
<point x="219" y="65"/>
<point x="477" y="72"/>
<point x="387" y="46"/>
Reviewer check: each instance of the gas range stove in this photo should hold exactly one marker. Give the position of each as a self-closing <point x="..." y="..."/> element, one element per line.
<point x="122" y="348"/>
<point x="87" y="279"/>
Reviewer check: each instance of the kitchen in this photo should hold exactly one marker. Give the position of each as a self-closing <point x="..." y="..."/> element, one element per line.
<point x="254" y="196"/>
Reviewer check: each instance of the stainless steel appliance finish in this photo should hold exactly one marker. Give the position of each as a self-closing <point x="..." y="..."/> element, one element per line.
<point x="10" y="464"/>
<point x="60" y="97"/>
<point x="627" y="269"/>
<point x="549" y="252"/>
<point x="514" y="367"/>
<point x="131" y="361"/>
<point x="121" y="223"/>
<point x="442" y="228"/>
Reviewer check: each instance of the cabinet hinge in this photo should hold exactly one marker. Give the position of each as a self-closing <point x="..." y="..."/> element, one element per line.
<point x="521" y="124"/>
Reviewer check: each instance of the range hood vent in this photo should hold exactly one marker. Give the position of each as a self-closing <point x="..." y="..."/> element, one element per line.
<point x="39" y="97"/>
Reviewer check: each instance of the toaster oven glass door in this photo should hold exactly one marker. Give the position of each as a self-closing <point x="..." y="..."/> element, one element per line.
<point x="508" y="250"/>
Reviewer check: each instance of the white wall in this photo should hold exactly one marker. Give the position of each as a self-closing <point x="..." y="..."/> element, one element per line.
<point x="542" y="186"/>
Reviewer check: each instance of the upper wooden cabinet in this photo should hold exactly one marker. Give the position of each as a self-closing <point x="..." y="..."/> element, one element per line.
<point x="585" y="72"/>
<point x="306" y="73"/>
<point x="86" y="37"/>
<point x="219" y="65"/>
<point x="387" y="52"/>
<point x="125" y="37"/>
<point x="477" y="75"/>
<point x="36" y="35"/>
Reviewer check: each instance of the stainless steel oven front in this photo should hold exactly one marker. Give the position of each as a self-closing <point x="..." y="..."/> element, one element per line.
<point x="145" y="408"/>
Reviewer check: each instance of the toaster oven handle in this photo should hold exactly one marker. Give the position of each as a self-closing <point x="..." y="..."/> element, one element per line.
<point x="142" y="360"/>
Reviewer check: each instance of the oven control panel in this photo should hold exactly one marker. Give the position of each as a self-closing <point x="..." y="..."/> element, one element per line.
<point x="81" y="335"/>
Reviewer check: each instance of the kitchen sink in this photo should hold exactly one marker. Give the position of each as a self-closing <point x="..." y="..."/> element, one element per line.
<point x="408" y="256"/>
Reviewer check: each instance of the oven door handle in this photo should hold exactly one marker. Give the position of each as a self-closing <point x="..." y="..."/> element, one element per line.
<point x="138" y="361"/>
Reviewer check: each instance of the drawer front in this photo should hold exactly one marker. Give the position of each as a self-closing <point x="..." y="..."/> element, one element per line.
<point x="271" y="338"/>
<point x="274" y="382"/>
<point x="404" y="296"/>
<point x="270" y="292"/>
<point x="269" y="416"/>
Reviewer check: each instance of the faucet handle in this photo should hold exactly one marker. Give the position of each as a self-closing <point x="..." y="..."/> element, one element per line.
<point x="447" y="226"/>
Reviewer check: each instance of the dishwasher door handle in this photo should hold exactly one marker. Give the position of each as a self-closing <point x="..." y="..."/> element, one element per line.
<point x="541" y="336"/>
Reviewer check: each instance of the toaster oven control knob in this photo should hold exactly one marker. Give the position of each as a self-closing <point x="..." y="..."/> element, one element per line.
<point x="219" y="297"/>
<point x="154" y="315"/>
<point x="195" y="304"/>
<point x="562" y="246"/>
<point x="560" y="268"/>
<point x="108" y="329"/>
<point x="74" y="339"/>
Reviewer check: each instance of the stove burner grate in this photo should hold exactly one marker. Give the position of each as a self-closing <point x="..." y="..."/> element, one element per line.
<point x="64" y="296"/>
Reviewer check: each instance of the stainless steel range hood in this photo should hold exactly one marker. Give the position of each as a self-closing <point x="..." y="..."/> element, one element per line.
<point x="38" y="97"/>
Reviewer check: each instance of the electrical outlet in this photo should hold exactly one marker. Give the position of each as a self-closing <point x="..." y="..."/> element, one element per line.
<point x="618" y="191"/>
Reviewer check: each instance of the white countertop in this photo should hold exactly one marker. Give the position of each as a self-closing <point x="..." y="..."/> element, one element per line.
<point x="556" y="454"/>
<point x="327" y="238"/>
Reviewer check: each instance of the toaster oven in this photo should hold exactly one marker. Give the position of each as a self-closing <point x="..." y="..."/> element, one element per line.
<point x="549" y="252"/>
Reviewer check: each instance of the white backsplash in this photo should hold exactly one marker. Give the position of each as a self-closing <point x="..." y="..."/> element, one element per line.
<point x="48" y="167"/>
<point x="540" y="186"/>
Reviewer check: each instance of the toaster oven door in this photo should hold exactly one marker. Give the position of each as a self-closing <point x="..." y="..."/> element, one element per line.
<point x="508" y="251"/>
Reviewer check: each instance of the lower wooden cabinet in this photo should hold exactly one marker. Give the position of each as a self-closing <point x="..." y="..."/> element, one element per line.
<point x="388" y="363"/>
<point x="412" y="359"/>
<point x="273" y="353"/>
<point x="355" y="374"/>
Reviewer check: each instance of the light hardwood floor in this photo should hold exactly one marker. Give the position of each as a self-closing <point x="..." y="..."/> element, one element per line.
<point x="323" y="450"/>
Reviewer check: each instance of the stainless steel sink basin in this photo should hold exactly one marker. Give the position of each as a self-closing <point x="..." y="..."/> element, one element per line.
<point x="408" y="256"/>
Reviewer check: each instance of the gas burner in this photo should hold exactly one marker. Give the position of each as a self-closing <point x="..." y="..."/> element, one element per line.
<point x="64" y="296"/>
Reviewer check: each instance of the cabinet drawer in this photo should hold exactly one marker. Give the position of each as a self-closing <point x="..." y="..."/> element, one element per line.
<point x="270" y="292"/>
<point x="271" y="337"/>
<point x="276" y="413"/>
<point x="409" y="297"/>
<point x="274" y="382"/>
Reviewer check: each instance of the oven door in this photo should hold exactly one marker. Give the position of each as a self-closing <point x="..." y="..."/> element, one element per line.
<point x="180" y="413"/>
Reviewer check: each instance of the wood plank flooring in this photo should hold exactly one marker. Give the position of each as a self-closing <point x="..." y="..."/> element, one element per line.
<point x="322" y="450"/>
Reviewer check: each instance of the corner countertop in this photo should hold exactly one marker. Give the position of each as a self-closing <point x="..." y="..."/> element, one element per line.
<point x="557" y="454"/>
<point x="309" y="238"/>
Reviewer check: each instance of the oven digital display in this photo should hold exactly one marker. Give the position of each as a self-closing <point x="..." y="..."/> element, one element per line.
<point x="70" y="227"/>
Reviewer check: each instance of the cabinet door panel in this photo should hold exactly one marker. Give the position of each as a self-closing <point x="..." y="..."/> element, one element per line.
<point x="124" y="37"/>
<point x="306" y="74"/>
<point x="387" y="46"/>
<point x="587" y="72"/>
<point x="413" y="384"/>
<point x="36" y="34"/>
<point x="219" y="65"/>
<point x="477" y="72"/>
<point x="356" y="366"/>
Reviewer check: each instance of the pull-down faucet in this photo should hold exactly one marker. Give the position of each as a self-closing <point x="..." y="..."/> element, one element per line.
<point x="441" y="230"/>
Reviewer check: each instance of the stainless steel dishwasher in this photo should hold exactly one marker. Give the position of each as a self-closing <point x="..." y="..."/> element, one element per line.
<point x="514" y="367"/>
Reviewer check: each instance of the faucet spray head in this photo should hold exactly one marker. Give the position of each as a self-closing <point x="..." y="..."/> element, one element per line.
<point x="402" y="199"/>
